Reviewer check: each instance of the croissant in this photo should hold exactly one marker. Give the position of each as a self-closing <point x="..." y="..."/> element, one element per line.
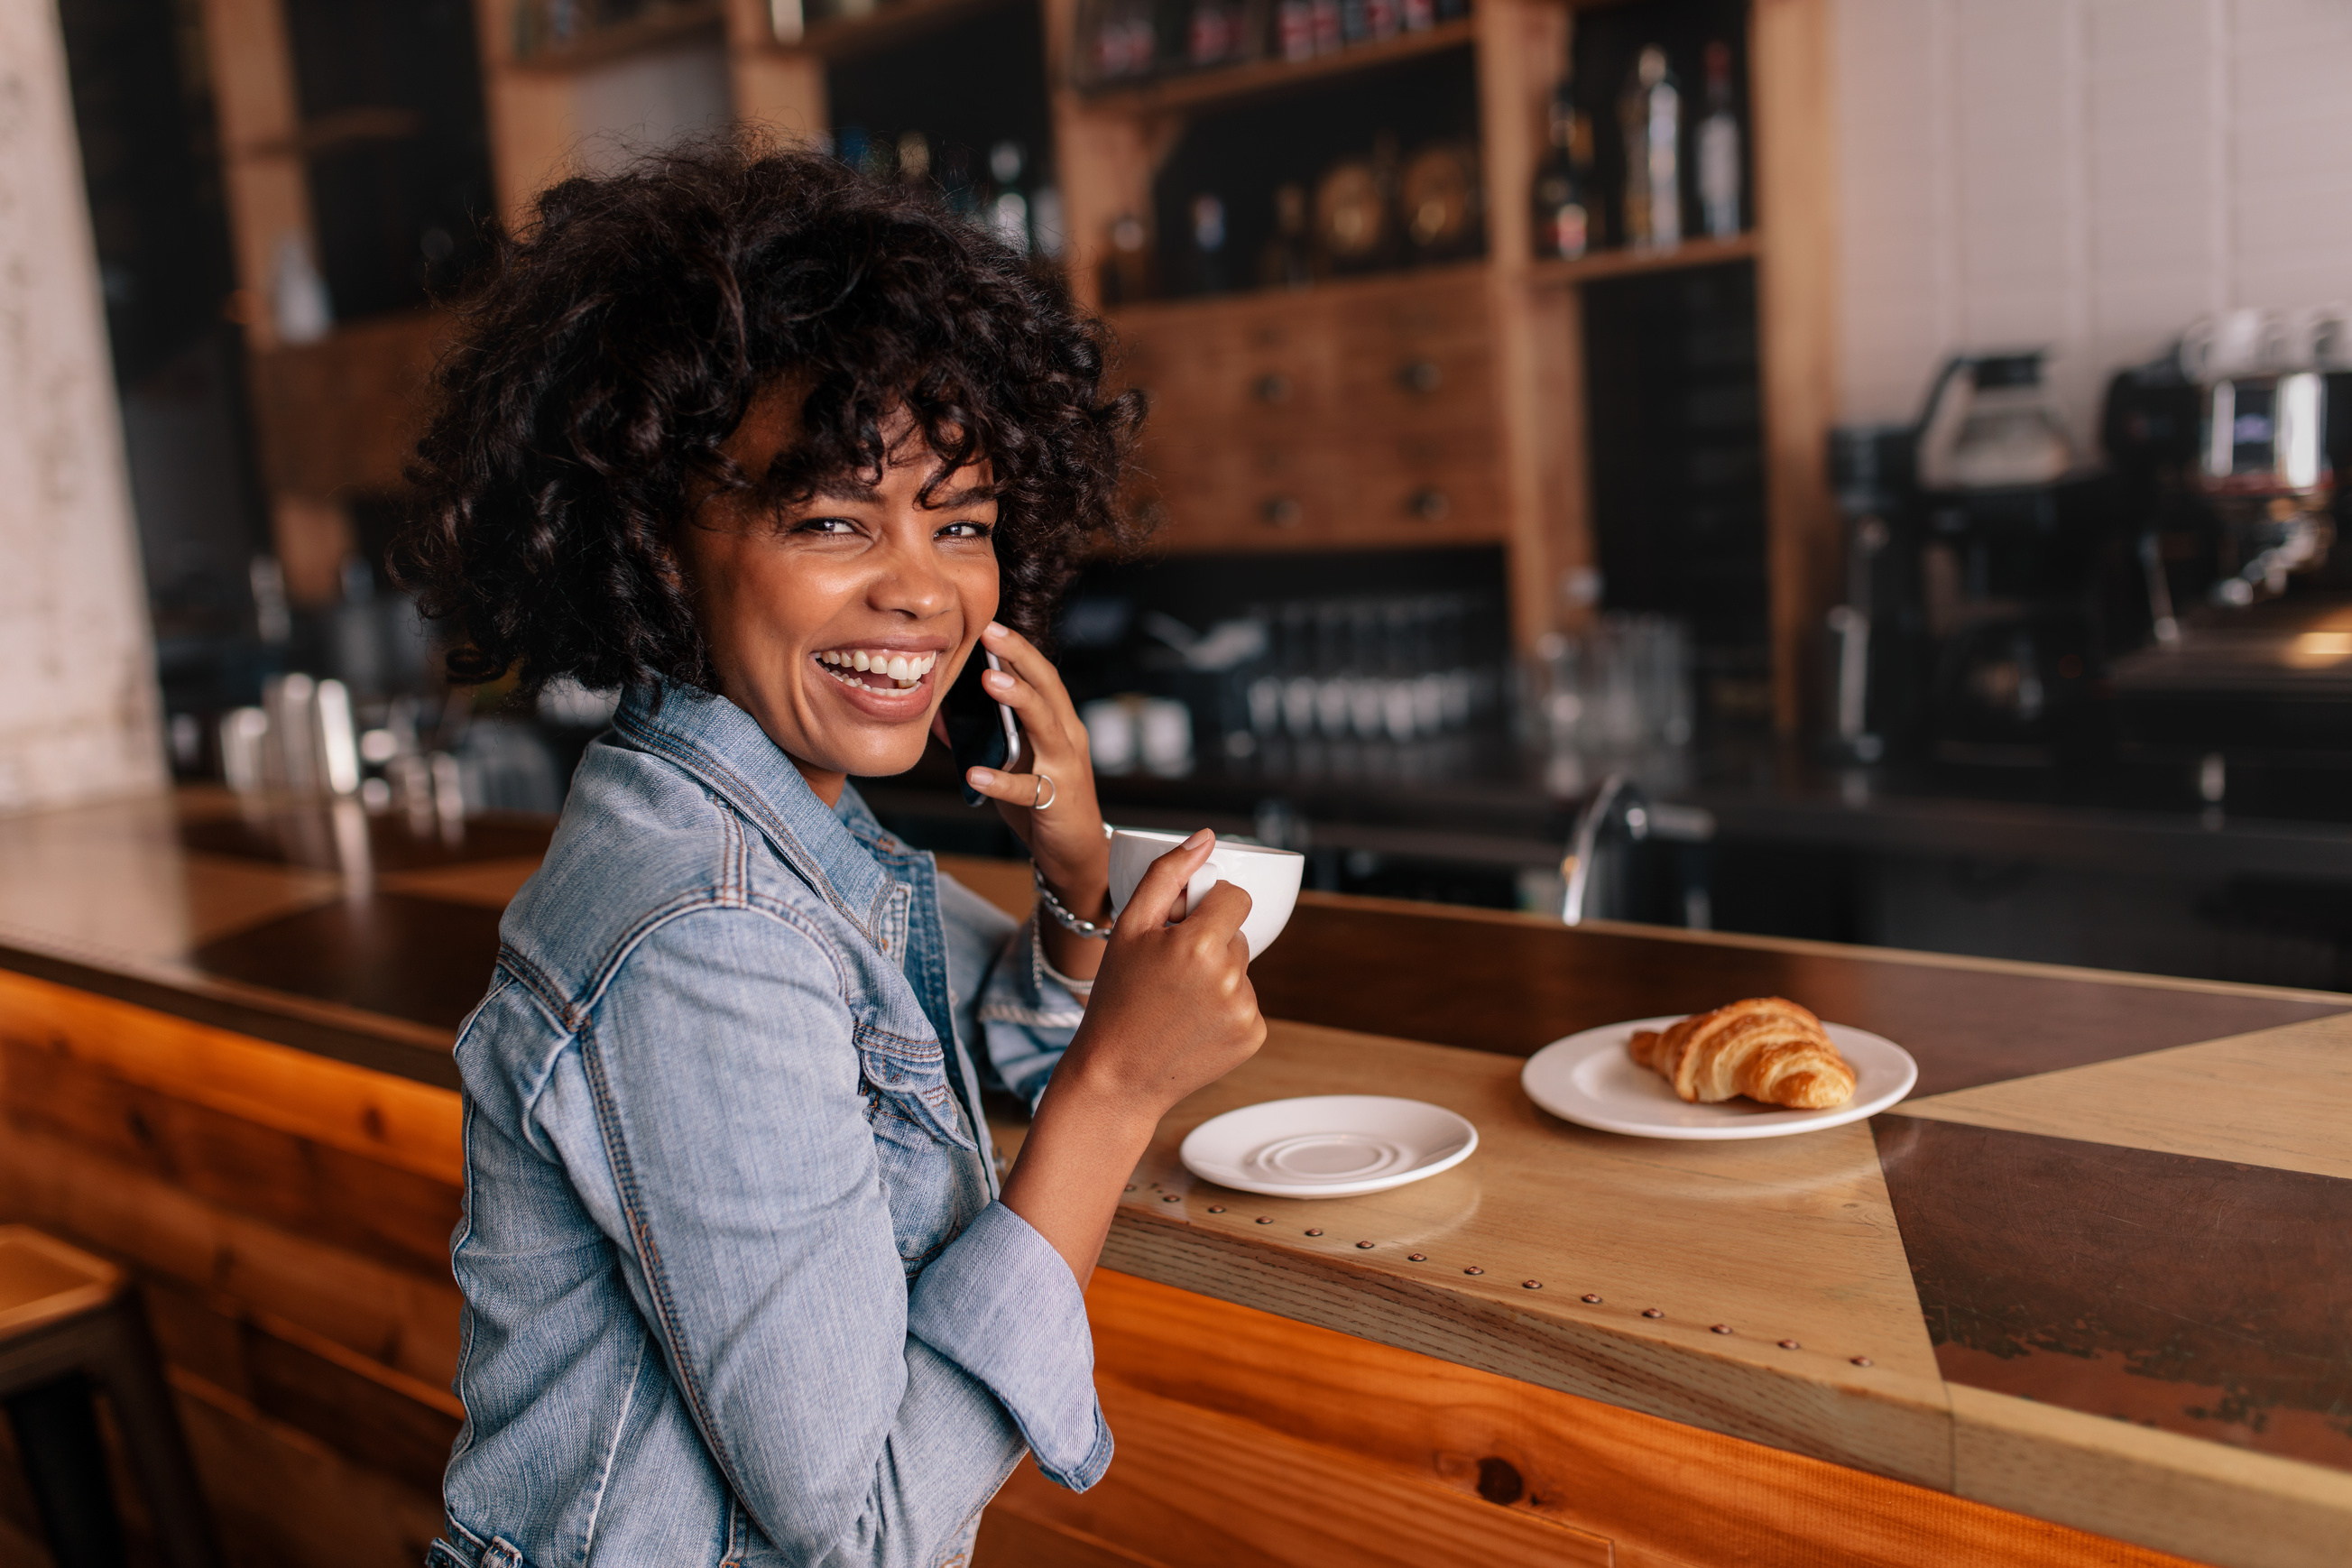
<point x="1766" y="1048"/>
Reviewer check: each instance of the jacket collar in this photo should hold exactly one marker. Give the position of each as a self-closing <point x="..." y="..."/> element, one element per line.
<point x="726" y="750"/>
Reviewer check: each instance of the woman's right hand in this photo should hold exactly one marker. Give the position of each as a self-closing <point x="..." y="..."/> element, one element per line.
<point x="1172" y="1009"/>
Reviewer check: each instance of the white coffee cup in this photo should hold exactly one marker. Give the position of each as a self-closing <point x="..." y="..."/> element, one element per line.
<point x="1270" y="877"/>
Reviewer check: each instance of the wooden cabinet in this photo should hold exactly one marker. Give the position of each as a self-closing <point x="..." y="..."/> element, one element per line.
<point x="1444" y="405"/>
<point x="1358" y="414"/>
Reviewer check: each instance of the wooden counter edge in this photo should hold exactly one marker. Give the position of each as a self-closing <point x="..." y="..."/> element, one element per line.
<point x="1902" y="1431"/>
<point x="2178" y="1494"/>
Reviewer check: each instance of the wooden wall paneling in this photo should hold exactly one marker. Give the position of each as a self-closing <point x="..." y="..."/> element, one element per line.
<point x="1192" y="1485"/>
<point x="372" y="1414"/>
<point x="1664" y="1493"/>
<point x="1010" y="1538"/>
<point x="1795" y="133"/>
<point x="1538" y="373"/>
<point x="360" y="1206"/>
<point x="412" y="1126"/>
<point x="260" y="126"/>
<point x="404" y="1319"/>
<point x="281" y="1496"/>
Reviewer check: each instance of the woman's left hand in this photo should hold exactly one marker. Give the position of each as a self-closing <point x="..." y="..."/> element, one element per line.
<point x="1065" y="835"/>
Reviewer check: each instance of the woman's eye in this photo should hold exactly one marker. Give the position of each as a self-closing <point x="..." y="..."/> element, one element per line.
<point x="967" y="531"/>
<point x="835" y="525"/>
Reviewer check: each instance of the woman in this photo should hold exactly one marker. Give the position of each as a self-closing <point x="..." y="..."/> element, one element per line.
<point x="775" y="449"/>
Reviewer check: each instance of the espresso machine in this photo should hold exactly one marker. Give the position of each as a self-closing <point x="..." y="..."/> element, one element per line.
<point x="2227" y="450"/>
<point x="1971" y="632"/>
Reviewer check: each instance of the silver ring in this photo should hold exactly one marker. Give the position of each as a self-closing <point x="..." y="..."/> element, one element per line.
<point x="1042" y="795"/>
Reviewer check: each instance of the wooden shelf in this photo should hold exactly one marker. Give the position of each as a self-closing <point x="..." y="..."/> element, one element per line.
<point x="1624" y="263"/>
<point x="1345" y="286"/>
<point x="893" y="23"/>
<point x="680" y="23"/>
<point x="1264" y="78"/>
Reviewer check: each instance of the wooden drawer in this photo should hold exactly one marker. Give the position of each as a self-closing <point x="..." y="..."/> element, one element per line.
<point x="1360" y="414"/>
<point x="1264" y="493"/>
<point x="1218" y="367"/>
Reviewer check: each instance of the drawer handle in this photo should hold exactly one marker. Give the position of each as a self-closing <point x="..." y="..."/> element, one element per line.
<point x="1420" y="376"/>
<point x="1272" y="389"/>
<point x="1430" y="505"/>
<point x="1280" y="511"/>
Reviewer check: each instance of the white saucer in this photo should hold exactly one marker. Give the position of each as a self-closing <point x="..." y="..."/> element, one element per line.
<point x="1328" y="1145"/>
<point x="1589" y="1079"/>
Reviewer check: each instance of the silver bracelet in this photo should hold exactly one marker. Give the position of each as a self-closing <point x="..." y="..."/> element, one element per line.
<point x="1062" y="915"/>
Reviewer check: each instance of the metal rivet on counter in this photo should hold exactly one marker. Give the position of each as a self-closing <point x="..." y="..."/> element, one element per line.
<point x="1652" y="1312"/>
<point x="1216" y="1208"/>
<point x="1131" y="1186"/>
<point x="1530" y="1284"/>
<point x="1317" y="1230"/>
<point x="1474" y="1271"/>
<point x="1172" y="1198"/>
<point x="1722" y="1327"/>
<point x="1265" y="1219"/>
<point x="1416" y="1257"/>
<point x="1791" y="1345"/>
<point x="1861" y="1361"/>
<point x="1363" y="1246"/>
<point x="1592" y="1300"/>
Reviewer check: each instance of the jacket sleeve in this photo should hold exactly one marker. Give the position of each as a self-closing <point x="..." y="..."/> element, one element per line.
<point x="862" y="1417"/>
<point x="1026" y="1019"/>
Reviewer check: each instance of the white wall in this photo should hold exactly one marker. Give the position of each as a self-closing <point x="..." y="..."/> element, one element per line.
<point x="77" y="701"/>
<point x="641" y="104"/>
<point x="2086" y="174"/>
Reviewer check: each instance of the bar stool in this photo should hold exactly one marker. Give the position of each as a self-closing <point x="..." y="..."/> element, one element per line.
<point x="70" y="1328"/>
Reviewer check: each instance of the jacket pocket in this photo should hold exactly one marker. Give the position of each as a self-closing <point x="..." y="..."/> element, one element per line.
<point x="499" y="1554"/>
<point x="908" y="1076"/>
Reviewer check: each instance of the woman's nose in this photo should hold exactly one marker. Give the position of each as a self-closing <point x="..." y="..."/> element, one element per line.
<point x="911" y="583"/>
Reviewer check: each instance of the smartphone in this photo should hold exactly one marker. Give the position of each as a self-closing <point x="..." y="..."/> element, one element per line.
<point x="980" y="730"/>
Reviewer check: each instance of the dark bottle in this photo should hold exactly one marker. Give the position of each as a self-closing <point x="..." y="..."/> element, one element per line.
<point x="1289" y="260"/>
<point x="1562" y="206"/>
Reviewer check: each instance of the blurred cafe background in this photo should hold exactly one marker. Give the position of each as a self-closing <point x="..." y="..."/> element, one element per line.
<point x="1851" y="470"/>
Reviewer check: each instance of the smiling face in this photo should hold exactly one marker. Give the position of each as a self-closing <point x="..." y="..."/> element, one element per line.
<point x="837" y="622"/>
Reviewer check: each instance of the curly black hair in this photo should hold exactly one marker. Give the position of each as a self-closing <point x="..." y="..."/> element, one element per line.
<point x="618" y="342"/>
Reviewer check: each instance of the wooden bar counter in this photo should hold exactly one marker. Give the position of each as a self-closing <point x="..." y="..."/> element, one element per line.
<point x="2085" y="1298"/>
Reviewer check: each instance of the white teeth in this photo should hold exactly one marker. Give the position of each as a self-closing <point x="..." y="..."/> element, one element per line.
<point x="905" y="672"/>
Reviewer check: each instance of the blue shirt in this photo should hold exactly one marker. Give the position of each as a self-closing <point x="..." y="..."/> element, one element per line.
<point x="738" y="1287"/>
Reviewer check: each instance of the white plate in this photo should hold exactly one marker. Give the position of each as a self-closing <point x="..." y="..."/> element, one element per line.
<point x="1588" y="1078"/>
<point x="1328" y="1145"/>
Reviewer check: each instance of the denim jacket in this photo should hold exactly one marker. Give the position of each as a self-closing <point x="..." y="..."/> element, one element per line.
<point x="738" y="1287"/>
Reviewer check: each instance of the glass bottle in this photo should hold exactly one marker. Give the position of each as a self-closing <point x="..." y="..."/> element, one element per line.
<point x="1209" y="244"/>
<point x="1562" y="213"/>
<point x="1651" y="110"/>
<point x="1008" y="208"/>
<point x="1718" y="148"/>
